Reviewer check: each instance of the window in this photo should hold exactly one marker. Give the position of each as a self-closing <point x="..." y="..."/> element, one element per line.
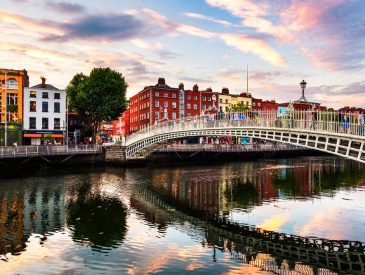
<point x="33" y="94"/>
<point x="165" y="104"/>
<point x="226" y="101"/>
<point x="220" y="100"/>
<point x="157" y="104"/>
<point x="32" y="123"/>
<point x="259" y="104"/>
<point x="203" y="98"/>
<point x="156" y="115"/>
<point x="188" y="106"/>
<point x="33" y="106"/>
<point x="44" y="123"/>
<point x="173" y="115"/>
<point x="204" y="107"/>
<point x="157" y="94"/>
<point x="195" y="106"/>
<point x="174" y="105"/>
<point x="165" y="94"/>
<point x="44" y="95"/>
<point x="44" y="107"/>
<point x="188" y="115"/>
<point x="57" y="96"/>
<point x="173" y="95"/>
<point x="12" y="99"/>
<point x="12" y="84"/>
<point x="209" y="98"/>
<point x="195" y="97"/>
<point x="188" y="97"/>
<point x="253" y="104"/>
<point x="57" y="124"/>
<point x="57" y="107"/>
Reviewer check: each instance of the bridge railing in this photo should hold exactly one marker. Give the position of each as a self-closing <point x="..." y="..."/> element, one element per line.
<point x="229" y="147"/>
<point x="47" y="150"/>
<point x="323" y="121"/>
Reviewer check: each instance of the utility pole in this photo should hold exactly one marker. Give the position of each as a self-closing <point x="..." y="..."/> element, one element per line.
<point x="6" y="112"/>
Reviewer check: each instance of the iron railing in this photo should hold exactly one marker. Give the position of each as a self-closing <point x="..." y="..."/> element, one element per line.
<point x="308" y="121"/>
<point x="48" y="150"/>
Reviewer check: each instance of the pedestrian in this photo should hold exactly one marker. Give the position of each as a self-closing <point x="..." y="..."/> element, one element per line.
<point x="346" y="124"/>
<point x="360" y="121"/>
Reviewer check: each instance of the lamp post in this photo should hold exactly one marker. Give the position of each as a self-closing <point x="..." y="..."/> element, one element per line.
<point x="303" y="84"/>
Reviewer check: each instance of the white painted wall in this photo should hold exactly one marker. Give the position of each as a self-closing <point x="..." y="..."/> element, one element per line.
<point x="39" y="114"/>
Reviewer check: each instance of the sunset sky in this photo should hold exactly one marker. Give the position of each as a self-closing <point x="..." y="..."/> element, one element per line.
<point x="208" y="42"/>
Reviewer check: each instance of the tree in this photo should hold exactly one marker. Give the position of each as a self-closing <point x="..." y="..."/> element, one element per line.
<point x="98" y="97"/>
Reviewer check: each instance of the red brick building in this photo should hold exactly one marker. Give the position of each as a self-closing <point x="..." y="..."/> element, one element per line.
<point x="159" y="103"/>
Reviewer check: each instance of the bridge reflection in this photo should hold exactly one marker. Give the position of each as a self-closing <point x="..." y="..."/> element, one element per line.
<point x="271" y="251"/>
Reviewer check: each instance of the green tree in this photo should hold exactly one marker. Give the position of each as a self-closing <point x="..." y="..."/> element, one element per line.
<point x="98" y="97"/>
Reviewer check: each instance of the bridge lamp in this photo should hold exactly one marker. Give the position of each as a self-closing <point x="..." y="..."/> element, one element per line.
<point x="303" y="84"/>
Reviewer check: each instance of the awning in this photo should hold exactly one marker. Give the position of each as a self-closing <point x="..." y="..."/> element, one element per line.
<point x="33" y="135"/>
<point x="57" y="135"/>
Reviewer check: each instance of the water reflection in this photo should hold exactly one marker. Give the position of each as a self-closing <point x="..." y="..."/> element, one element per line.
<point x="274" y="194"/>
<point x="154" y="220"/>
<point x="95" y="220"/>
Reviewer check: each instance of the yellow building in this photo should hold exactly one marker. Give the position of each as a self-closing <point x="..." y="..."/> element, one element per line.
<point x="11" y="94"/>
<point x="229" y="102"/>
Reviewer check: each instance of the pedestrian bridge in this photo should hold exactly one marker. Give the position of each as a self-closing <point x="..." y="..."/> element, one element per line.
<point x="330" y="132"/>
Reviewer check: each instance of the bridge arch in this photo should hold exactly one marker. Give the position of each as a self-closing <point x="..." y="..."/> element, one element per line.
<point x="326" y="136"/>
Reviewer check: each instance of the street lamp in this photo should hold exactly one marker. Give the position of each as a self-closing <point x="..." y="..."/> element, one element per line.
<point x="303" y="84"/>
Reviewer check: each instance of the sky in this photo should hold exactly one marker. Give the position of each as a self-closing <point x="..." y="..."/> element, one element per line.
<point x="204" y="42"/>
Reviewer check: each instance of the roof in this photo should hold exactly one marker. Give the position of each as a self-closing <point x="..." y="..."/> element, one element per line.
<point x="47" y="87"/>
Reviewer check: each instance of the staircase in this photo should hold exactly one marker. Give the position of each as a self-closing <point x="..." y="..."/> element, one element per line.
<point x="114" y="153"/>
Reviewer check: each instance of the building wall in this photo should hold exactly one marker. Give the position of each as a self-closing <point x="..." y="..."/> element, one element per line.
<point x="17" y="80"/>
<point x="38" y="114"/>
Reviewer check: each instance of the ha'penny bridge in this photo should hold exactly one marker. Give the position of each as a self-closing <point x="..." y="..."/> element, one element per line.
<point x="329" y="132"/>
<point x="306" y="255"/>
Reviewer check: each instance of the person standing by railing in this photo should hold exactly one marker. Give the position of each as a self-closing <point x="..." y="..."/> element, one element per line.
<point x="360" y="121"/>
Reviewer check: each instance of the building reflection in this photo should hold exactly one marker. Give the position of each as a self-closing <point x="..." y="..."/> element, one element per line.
<point x="246" y="185"/>
<point x="37" y="210"/>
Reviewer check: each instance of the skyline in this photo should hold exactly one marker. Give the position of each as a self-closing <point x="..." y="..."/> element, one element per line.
<point x="204" y="42"/>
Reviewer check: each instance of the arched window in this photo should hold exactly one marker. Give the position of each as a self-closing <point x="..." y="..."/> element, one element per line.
<point x="12" y="84"/>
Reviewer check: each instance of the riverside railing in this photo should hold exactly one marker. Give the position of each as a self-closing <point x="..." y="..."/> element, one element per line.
<point x="48" y="150"/>
<point x="316" y="121"/>
<point x="230" y="148"/>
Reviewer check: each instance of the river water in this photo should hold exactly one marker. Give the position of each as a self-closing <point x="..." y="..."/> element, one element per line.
<point x="180" y="219"/>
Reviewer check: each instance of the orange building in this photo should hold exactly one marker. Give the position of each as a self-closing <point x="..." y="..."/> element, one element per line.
<point x="12" y="84"/>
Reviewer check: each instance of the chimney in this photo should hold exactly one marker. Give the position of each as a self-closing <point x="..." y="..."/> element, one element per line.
<point x="161" y="81"/>
<point x="195" y="88"/>
<point x="209" y="90"/>
<point x="225" y="91"/>
<point x="43" y="82"/>
<point x="181" y="86"/>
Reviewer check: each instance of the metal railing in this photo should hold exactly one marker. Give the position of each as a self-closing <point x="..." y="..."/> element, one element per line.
<point x="230" y="148"/>
<point x="307" y="121"/>
<point x="48" y="150"/>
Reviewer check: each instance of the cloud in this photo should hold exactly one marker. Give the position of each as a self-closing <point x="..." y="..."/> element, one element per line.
<point x="110" y="27"/>
<point x="211" y="19"/>
<point x="328" y="32"/>
<point x="65" y="7"/>
<point x="256" y="46"/>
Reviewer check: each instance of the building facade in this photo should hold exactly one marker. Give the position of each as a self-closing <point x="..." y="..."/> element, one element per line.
<point x="44" y="115"/>
<point x="11" y="93"/>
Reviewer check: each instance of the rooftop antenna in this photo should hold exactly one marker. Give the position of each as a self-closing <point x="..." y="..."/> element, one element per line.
<point x="247" y="80"/>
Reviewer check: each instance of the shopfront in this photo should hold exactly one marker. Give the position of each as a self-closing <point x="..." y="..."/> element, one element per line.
<point x="43" y="137"/>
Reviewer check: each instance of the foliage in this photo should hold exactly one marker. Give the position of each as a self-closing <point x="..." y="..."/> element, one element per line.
<point x="99" y="97"/>
<point x="48" y="138"/>
<point x="12" y="108"/>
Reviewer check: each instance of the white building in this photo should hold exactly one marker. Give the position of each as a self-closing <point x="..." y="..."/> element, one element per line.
<point x="44" y="114"/>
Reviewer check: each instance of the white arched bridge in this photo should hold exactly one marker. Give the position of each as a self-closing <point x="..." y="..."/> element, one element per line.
<point x="330" y="132"/>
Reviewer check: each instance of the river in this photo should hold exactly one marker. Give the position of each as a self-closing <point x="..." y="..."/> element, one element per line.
<point x="181" y="219"/>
